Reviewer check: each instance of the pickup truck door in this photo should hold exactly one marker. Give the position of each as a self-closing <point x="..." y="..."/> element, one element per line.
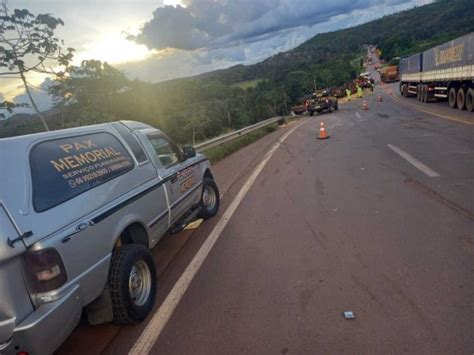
<point x="178" y="175"/>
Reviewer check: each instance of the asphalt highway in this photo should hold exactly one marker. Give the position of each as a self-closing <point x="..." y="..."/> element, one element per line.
<point x="377" y="220"/>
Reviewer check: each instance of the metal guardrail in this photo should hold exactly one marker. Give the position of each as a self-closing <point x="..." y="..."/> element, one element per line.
<point x="214" y="142"/>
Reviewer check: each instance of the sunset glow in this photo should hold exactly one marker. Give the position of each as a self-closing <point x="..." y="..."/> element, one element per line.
<point x="113" y="48"/>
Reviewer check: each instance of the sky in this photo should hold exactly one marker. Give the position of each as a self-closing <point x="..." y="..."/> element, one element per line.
<point x="156" y="40"/>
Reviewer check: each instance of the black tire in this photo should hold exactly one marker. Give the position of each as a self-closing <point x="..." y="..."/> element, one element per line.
<point x="470" y="100"/>
<point x="405" y="90"/>
<point x="209" y="210"/>
<point x="125" y="309"/>
<point x="425" y="94"/>
<point x="461" y="99"/>
<point x="452" y="98"/>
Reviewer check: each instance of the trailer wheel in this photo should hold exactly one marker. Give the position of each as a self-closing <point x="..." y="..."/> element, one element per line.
<point x="461" y="99"/>
<point x="452" y="98"/>
<point x="405" y="90"/>
<point x="470" y="100"/>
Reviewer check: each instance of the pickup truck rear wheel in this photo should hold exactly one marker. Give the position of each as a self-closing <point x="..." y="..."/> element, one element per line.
<point x="132" y="283"/>
<point x="210" y="199"/>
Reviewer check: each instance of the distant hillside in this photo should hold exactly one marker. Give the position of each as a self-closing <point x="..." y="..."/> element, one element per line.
<point x="397" y="35"/>
<point x="212" y="103"/>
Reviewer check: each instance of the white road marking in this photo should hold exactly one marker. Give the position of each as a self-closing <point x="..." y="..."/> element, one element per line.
<point x="413" y="161"/>
<point x="358" y="115"/>
<point x="147" y="339"/>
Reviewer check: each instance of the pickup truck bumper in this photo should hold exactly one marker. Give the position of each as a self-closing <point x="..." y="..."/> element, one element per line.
<point x="47" y="327"/>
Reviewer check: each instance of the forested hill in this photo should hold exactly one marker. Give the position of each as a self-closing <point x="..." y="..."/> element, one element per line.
<point x="328" y="55"/>
<point x="213" y="103"/>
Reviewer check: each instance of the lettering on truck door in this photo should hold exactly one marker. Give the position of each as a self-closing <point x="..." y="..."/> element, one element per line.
<point x="180" y="177"/>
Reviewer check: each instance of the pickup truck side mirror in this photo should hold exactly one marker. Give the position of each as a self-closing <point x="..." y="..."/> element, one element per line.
<point x="188" y="152"/>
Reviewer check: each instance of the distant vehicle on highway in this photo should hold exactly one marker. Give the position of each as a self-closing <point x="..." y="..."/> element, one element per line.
<point x="322" y="101"/>
<point x="440" y="73"/>
<point x="79" y="210"/>
<point x="389" y="74"/>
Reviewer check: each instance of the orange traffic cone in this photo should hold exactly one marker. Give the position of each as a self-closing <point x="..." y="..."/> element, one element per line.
<point x="322" y="132"/>
<point x="380" y="98"/>
<point x="364" y="105"/>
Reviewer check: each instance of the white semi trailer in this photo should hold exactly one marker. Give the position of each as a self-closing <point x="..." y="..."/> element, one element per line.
<point x="445" y="72"/>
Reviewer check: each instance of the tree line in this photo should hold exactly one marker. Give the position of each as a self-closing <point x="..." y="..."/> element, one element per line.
<point x="198" y="108"/>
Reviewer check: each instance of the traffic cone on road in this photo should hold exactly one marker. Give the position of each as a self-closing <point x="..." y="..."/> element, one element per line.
<point x="379" y="98"/>
<point x="322" y="132"/>
<point x="364" y="105"/>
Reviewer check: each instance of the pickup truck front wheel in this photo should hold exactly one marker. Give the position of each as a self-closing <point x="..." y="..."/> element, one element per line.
<point x="132" y="283"/>
<point x="210" y="198"/>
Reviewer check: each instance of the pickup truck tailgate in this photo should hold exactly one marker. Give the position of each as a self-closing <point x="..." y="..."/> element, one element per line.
<point x="15" y="303"/>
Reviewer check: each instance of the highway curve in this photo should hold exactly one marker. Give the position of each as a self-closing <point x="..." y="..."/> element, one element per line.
<point x="378" y="220"/>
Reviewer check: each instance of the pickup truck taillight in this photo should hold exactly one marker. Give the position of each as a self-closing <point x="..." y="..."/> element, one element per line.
<point x="45" y="269"/>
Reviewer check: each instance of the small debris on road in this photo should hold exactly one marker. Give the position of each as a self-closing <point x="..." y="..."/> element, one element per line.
<point x="349" y="315"/>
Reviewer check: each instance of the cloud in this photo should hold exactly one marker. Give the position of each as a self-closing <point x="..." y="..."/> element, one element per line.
<point x="172" y="63"/>
<point x="211" y="24"/>
<point x="40" y="96"/>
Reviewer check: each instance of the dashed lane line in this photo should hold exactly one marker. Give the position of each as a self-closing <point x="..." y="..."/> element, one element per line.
<point x="147" y="339"/>
<point x="413" y="161"/>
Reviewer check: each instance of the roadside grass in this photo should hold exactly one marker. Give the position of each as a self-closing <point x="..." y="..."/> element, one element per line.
<point x="220" y="152"/>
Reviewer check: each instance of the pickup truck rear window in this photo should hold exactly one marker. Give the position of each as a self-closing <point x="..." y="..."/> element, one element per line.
<point x="132" y="142"/>
<point x="64" y="168"/>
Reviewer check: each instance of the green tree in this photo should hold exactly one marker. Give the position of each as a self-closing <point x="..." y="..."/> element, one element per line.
<point x="28" y="43"/>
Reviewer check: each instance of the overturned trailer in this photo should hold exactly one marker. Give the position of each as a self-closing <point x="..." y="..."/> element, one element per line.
<point x="445" y="72"/>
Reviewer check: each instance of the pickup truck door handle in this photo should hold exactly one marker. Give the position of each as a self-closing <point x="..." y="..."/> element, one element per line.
<point x="174" y="178"/>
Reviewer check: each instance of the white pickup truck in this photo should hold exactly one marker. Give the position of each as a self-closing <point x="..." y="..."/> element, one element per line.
<point x="79" y="210"/>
